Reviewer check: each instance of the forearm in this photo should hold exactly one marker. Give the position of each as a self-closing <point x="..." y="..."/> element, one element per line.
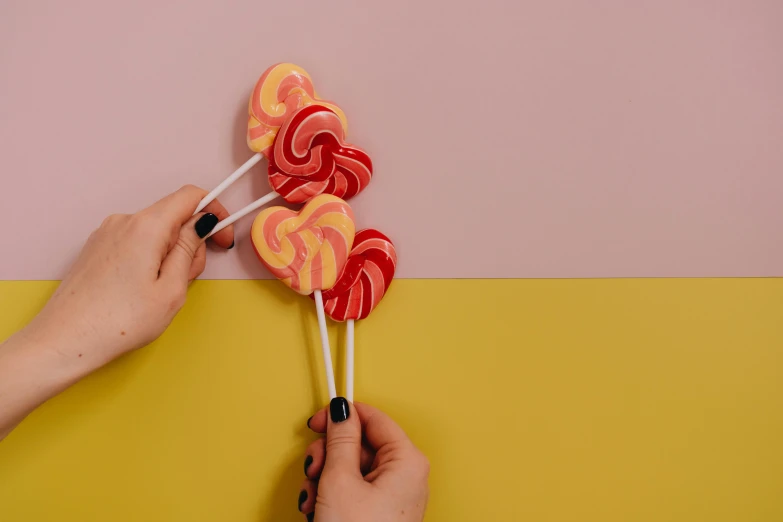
<point x="33" y="369"/>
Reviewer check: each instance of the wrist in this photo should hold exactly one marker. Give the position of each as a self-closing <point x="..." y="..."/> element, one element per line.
<point x="61" y="356"/>
<point x="38" y="362"/>
<point x="30" y="374"/>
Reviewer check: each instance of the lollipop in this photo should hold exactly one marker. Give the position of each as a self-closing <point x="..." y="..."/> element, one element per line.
<point x="310" y="157"/>
<point x="360" y="287"/>
<point x="307" y="250"/>
<point x="281" y="90"/>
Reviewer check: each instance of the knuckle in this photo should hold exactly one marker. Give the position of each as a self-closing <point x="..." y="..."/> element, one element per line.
<point x="337" y="480"/>
<point x="177" y="299"/>
<point x="185" y="247"/>
<point x="142" y="222"/>
<point x="315" y="447"/>
<point x="340" y="440"/>
<point x="113" y="219"/>
<point x="190" y="188"/>
<point x="424" y="464"/>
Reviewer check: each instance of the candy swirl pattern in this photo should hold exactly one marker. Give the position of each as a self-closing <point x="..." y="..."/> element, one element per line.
<point x="365" y="278"/>
<point x="310" y="157"/>
<point x="306" y="250"/>
<point x="281" y="90"/>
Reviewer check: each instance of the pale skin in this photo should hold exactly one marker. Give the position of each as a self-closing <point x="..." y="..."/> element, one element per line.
<point x="127" y="285"/>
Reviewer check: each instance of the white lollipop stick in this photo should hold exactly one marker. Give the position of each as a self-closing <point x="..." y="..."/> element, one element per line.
<point x="327" y="352"/>
<point x="349" y="360"/>
<point x="209" y="198"/>
<point x="236" y="216"/>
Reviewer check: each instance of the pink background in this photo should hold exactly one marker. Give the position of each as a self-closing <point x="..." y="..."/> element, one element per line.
<point x="511" y="138"/>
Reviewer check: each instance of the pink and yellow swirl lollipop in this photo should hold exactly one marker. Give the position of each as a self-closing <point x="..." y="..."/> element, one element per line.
<point x="307" y="250"/>
<point x="281" y="90"/>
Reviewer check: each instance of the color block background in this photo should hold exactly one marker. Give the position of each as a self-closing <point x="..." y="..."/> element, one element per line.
<point x="512" y="138"/>
<point x="618" y="400"/>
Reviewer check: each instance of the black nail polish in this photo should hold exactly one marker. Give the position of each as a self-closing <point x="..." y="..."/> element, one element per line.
<point x="302" y="499"/>
<point x="205" y="224"/>
<point x="232" y="245"/>
<point x="308" y="461"/>
<point x="339" y="409"/>
<point x="308" y="422"/>
<point x="310" y="516"/>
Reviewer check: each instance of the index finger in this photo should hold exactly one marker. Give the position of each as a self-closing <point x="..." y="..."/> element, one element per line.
<point x="178" y="207"/>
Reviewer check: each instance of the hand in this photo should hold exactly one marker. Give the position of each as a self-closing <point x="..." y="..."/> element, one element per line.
<point x="132" y="276"/>
<point x="128" y="283"/>
<point x="365" y="469"/>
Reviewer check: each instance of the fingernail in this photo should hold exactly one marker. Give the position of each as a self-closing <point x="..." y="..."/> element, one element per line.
<point x="339" y="409"/>
<point x="308" y="461"/>
<point x="310" y="516"/>
<point x="232" y="245"/>
<point x="308" y="422"/>
<point x="302" y="498"/>
<point x="205" y="224"/>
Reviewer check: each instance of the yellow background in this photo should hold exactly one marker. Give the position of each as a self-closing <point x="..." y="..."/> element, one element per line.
<point x="540" y="400"/>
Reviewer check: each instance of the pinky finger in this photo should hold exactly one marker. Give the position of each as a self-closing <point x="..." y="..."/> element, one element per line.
<point x="307" y="497"/>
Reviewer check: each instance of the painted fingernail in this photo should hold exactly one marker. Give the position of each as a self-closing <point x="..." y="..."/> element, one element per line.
<point x="302" y="498"/>
<point x="232" y="245"/>
<point x="339" y="409"/>
<point x="308" y="422"/>
<point x="310" y="516"/>
<point x="308" y="461"/>
<point x="205" y="224"/>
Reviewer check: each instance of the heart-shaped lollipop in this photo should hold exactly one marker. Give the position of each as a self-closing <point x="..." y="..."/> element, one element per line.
<point x="306" y="250"/>
<point x="365" y="278"/>
<point x="310" y="157"/>
<point x="281" y="90"/>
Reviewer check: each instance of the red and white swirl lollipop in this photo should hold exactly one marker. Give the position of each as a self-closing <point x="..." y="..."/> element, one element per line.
<point x="310" y="157"/>
<point x="360" y="287"/>
<point x="282" y="89"/>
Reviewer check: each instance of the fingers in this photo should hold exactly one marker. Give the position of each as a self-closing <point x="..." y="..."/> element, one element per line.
<point x="307" y="497"/>
<point x="318" y="422"/>
<point x="378" y="428"/>
<point x="178" y="207"/>
<point x="224" y="238"/>
<point x="176" y="267"/>
<point x="343" y="439"/>
<point x="315" y="458"/>
<point x="199" y="262"/>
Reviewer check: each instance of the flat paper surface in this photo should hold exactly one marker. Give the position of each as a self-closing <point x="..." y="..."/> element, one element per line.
<point x="510" y="138"/>
<point x="534" y="400"/>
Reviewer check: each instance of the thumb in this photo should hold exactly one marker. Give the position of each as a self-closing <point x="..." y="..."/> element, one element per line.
<point x="176" y="265"/>
<point x="343" y="438"/>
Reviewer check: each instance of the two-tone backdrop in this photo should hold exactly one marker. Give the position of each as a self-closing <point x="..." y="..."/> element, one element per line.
<point x="586" y="198"/>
